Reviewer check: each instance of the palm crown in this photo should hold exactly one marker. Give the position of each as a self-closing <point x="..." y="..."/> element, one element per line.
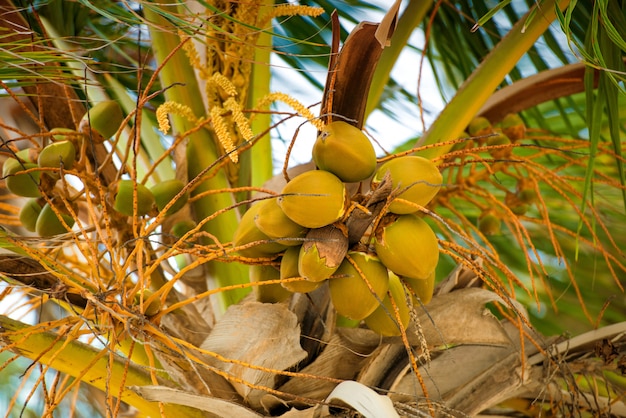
<point x="138" y="150"/>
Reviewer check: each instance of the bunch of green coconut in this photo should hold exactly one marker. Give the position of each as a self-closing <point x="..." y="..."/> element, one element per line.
<point x="498" y="139"/>
<point x="367" y="245"/>
<point x="35" y="173"/>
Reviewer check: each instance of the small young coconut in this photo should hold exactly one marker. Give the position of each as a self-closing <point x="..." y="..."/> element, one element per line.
<point x="383" y="320"/>
<point x="29" y="214"/>
<point x="520" y="209"/>
<point x="269" y="293"/>
<point x="167" y="190"/>
<point x="105" y="118"/>
<point x="489" y="223"/>
<point x="314" y="199"/>
<point x="350" y="293"/>
<point x="407" y="246"/>
<point x="180" y="228"/>
<point x="480" y="126"/>
<point x="513" y="126"/>
<point x="49" y="224"/>
<point x="526" y="192"/>
<point x="57" y="154"/>
<point x="17" y="181"/>
<point x="273" y="222"/>
<point x="247" y="233"/>
<point x="289" y="269"/>
<point x="322" y="252"/>
<point x="345" y="151"/>
<point x="499" y="139"/>
<point x="419" y="176"/>
<point x="124" y="195"/>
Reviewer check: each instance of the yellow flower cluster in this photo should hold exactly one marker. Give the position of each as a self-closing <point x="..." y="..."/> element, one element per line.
<point x="174" y="108"/>
<point x="223" y="134"/>
<point x="229" y="42"/>
<point x="291" y="10"/>
<point x="294" y="104"/>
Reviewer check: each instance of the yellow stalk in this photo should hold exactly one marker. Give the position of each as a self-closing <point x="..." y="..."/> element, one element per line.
<point x="86" y="363"/>
<point x="487" y="77"/>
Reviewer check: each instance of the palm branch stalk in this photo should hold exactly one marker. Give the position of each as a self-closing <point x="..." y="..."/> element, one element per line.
<point x="487" y="77"/>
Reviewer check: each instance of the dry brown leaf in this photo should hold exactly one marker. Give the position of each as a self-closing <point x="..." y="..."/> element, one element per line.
<point x="463" y="378"/>
<point x="484" y="364"/>
<point x="348" y="82"/>
<point x="350" y="74"/>
<point x="470" y="378"/>
<point x="460" y="317"/>
<point x="461" y="277"/>
<point x="456" y="370"/>
<point x="260" y="334"/>
<point x="490" y="374"/>
<point x="388" y="25"/>
<point x="384" y="366"/>
<point x="314" y="312"/>
<point x="191" y="377"/>
<point x="342" y="358"/>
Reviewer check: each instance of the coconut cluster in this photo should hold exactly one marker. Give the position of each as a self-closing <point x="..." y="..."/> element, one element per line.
<point x="32" y="174"/>
<point x="498" y="140"/>
<point x="35" y="174"/>
<point x="367" y="246"/>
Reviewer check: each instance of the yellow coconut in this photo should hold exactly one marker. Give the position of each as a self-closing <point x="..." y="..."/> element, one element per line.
<point x="360" y="285"/>
<point x="273" y="222"/>
<point x="384" y="319"/>
<point x="345" y="151"/>
<point x="248" y="233"/>
<point x="423" y="288"/>
<point x="416" y="178"/>
<point x="322" y="252"/>
<point x="314" y="199"/>
<point x="289" y="269"/>
<point x="407" y="246"/>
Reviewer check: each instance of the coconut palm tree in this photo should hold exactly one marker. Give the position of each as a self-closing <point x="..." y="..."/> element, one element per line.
<point x="162" y="257"/>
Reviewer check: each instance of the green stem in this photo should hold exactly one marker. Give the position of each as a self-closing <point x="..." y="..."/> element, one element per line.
<point x="201" y="150"/>
<point x="487" y="77"/>
<point x="261" y="153"/>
